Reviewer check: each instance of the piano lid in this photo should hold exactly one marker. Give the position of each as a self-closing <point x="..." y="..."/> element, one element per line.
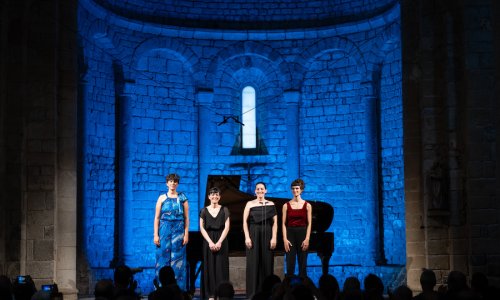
<point x="235" y="200"/>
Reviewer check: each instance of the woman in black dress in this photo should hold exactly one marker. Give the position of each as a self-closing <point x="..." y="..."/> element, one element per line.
<point x="260" y="224"/>
<point x="214" y="226"/>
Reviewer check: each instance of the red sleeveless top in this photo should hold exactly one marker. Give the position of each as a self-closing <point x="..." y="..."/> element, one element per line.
<point x="296" y="217"/>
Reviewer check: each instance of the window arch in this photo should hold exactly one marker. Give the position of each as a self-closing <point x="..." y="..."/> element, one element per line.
<point x="248" y="115"/>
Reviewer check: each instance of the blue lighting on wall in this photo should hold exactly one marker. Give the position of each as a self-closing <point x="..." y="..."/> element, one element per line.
<point x="329" y="110"/>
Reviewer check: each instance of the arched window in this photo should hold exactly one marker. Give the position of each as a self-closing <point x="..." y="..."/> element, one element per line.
<point x="249" y="130"/>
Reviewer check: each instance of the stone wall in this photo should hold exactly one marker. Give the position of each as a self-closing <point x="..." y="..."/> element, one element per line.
<point x="246" y="14"/>
<point x="450" y="139"/>
<point x="329" y="110"/>
<point x="38" y="142"/>
<point x="450" y="77"/>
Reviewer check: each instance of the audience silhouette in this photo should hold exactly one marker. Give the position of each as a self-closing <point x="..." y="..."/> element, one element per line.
<point x="104" y="289"/>
<point x="168" y="289"/>
<point x="329" y="287"/>
<point x="224" y="291"/>
<point x="428" y="282"/>
<point x="291" y="288"/>
<point x="6" y="289"/>
<point x="374" y="288"/>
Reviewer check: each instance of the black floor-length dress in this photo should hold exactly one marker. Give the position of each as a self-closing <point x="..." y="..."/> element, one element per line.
<point x="260" y="258"/>
<point x="215" y="264"/>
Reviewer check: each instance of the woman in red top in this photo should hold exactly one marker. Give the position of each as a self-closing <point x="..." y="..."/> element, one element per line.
<point x="297" y="217"/>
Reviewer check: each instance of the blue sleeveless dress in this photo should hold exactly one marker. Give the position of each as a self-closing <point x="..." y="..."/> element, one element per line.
<point x="171" y="232"/>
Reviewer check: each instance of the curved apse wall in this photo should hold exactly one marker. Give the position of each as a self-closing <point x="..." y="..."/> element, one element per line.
<point x="328" y="109"/>
<point x="246" y="14"/>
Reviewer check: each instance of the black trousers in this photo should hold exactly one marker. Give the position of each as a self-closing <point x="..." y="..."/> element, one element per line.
<point x="260" y="258"/>
<point x="296" y="236"/>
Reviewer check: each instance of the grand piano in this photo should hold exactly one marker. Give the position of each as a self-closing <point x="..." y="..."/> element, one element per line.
<point x="320" y="241"/>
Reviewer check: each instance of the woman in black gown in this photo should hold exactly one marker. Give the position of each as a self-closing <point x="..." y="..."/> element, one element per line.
<point x="214" y="226"/>
<point x="260" y="224"/>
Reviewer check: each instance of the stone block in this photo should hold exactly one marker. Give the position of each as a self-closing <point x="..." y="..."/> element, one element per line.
<point x="437" y="247"/>
<point x="36" y="200"/>
<point x="66" y="280"/>
<point x="43" y="250"/>
<point x="416" y="262"/>
<point x="12" y="269"/>
<point x="460" y="246"/>
<point x="413" y="279"/>
<point x="37" y="218"/>
<point x="439" y="262"/>
<point x="48" y="232"/>
<point x="437" y="233"/>
<point x="415" y="248"/>
<point x="460" y="263"/>
<point x="34" y="232"/>
<point x="40" y="269"/>
<point x="237" y="272"/>
<point x="66" y="256"/>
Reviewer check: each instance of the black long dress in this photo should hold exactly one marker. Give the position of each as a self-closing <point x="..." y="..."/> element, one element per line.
<point x="260" y="258"/>
<point x="215" y="264"/>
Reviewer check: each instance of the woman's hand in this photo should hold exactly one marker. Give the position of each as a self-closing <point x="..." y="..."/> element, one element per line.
<point x="212" y="246"/>
<point x="272" y="244"/>
<point x="305" y="245"/>
<point x="248" y="243"/>
<point x="156" y="240"/>
<point x="218" y="246"/>
<point x="287" y="245"/>
<point x="185" y="240"/>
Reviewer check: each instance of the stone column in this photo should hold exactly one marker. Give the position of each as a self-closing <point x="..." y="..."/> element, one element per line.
<point x="372" y="181"/>
<point x="292" y="99"/>
<point x="125" y="195"/>
<point x="65" y="234"/>
<point x="205" y="99"/>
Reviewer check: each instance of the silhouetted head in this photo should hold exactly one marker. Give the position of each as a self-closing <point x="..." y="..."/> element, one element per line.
<point x="329" y="286"/>
<point x="302" y="292"/>
<point x="427" y="280"/>
<point x="351" y="284"/>
<point x="5" y="287"/>
<point x="479" y="282"/>
<point x="122" y="276"/>
<point x="403" y="293"/>
<point x="167" y="276"/>
<point x="269" y="282"/>
<point x="104" y="289"/>
<point x="456" y="281"/>
<point x="224" y="290"/>
<point x="25" y="288"/>
<point x="373" y="285"/>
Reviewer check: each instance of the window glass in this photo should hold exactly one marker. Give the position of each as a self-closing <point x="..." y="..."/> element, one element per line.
<point x="249" y="130"/>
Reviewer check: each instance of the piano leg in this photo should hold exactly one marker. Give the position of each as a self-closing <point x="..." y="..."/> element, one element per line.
<point x="192" y="274"/>
<point x="325" y="261"/>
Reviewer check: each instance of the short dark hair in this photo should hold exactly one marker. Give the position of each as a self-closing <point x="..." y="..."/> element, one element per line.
<point x="214" y="190"/>
<point x="298" y="182"/>
<point x="174" y="177"/>
<point x="260" y="182"/>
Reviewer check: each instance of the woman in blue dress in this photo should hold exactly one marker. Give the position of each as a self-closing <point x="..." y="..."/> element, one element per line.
<point x="171" y="230"/>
